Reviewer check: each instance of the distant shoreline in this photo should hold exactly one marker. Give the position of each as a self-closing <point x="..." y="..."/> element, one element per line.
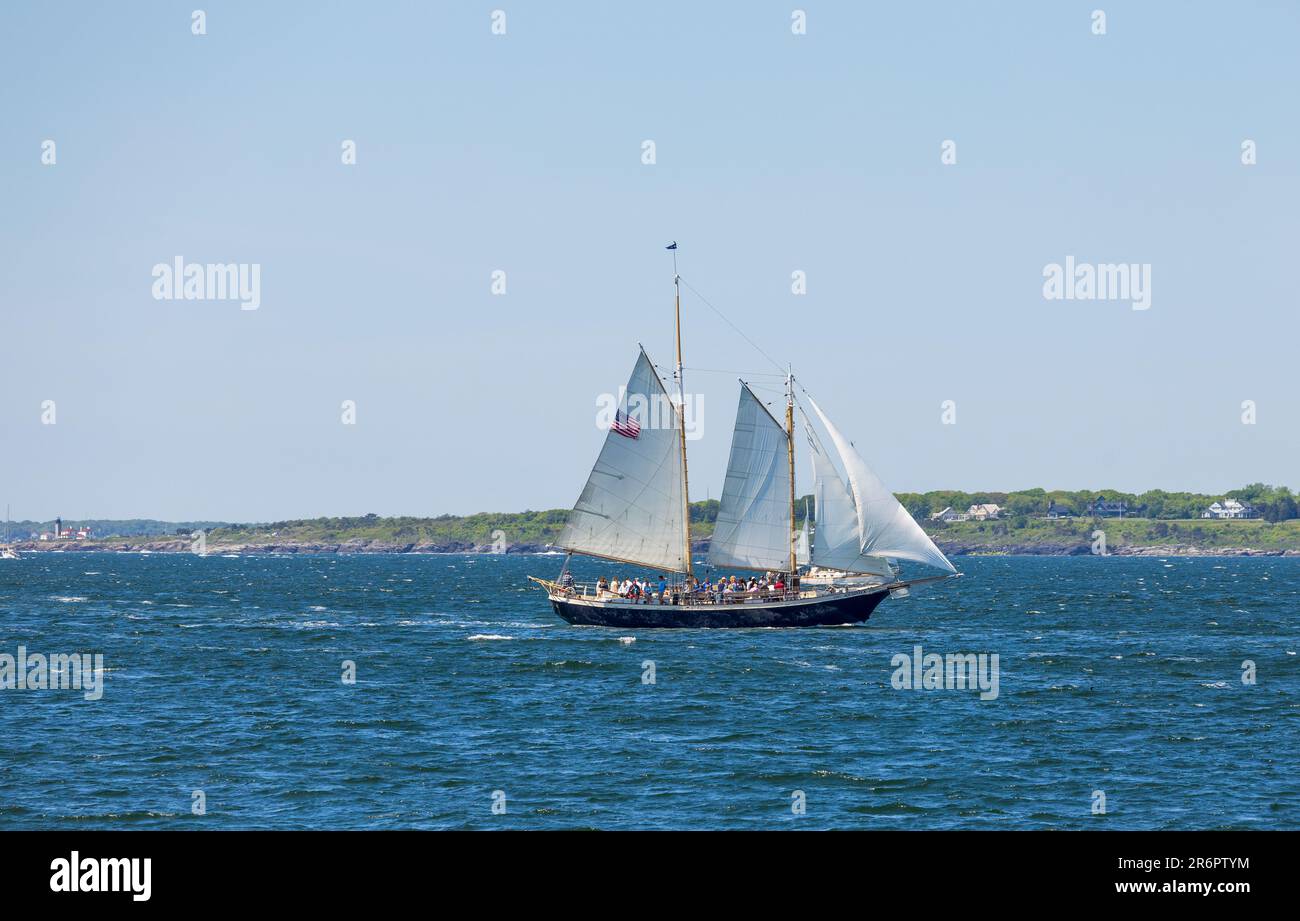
<point x="534" y="532"/>
<point x="345" y="549"/>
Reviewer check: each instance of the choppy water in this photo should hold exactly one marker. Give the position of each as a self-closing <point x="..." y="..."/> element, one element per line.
<point x="223" y="675"/>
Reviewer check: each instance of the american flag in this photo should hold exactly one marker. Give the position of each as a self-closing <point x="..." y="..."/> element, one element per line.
<point x="625" y="425"/>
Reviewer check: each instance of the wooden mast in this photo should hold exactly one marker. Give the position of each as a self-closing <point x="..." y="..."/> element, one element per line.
<point x="681" y="417"/>
<point x="789" y="434"/>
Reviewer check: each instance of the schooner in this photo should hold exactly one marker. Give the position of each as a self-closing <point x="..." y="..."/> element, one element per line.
<point x="635" y="509"/>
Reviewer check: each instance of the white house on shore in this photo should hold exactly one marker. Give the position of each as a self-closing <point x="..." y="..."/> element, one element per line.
<point x="987" y="512"/>
<point x="1230" y="508"/>
<point x="947" y="515"/>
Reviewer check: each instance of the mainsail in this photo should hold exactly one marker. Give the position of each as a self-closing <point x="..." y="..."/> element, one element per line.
<point x="884" y="527"/>
<point x="631" y="508"/>
<point x="753" y="526"/>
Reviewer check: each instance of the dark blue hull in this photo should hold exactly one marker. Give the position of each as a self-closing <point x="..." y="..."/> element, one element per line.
<point x="824" y="611"/>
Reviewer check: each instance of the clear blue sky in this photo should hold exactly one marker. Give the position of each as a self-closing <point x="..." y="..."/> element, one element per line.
<point x="522" y="152"/>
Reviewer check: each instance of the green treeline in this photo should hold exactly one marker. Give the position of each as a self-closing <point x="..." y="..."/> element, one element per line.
<point x="1274" y="503"/>
<point x="1020" y="509"/>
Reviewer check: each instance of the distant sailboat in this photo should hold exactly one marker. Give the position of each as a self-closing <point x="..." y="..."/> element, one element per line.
<point x="635" y="508"/>
<point x="802" y="546"/>
<point x="6" y="551"/>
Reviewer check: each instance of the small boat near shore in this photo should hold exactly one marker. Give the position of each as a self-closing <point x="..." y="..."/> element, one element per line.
<point x="7" y="551"/>
<point x="635" y="509"/>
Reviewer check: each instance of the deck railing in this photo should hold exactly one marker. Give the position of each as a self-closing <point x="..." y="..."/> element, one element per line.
<point x="683" y="597"/>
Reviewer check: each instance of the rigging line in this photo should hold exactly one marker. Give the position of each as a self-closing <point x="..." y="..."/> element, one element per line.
<point x="756" y="346"/>
<point x="813" y="438"/>
<point x="729" y="371"/>
<point x="802" y="412"/>
<point x="852" y="443"/>
<point x="770" y="401"/>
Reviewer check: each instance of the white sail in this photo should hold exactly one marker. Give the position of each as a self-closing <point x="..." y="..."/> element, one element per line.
<point x="753" y="526"/>
<point x="886" y="529"/>
<point x="631" y="507"/>
<point x="837" y="544"/>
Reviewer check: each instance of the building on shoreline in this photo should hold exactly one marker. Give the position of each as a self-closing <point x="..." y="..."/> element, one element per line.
<point x="947" y="515"/>
<point x="62" y="533"/>
<point x="1101" y="507"/>
<point x="1230" y="508"/>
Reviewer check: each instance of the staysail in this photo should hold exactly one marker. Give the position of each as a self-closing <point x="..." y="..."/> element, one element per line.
<point x="753" y="526"/>
<point x="884" y="527"/>
<point x="631" y="508"/>
<point x="837" y="544"/>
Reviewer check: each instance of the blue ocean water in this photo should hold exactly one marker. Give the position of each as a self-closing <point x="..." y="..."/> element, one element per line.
<point x="223" y="675"/>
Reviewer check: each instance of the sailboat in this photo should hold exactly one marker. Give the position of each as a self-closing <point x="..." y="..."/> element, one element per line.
<point x="6" y="551"/>
<point x="635" y="509"/>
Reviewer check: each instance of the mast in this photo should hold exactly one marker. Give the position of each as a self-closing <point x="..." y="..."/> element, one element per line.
<point x="789" y="435"/>
<point x="681" y="413"/>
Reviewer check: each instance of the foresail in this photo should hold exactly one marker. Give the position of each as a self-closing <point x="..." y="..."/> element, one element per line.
<point x="836" y="544"/>
<point x="753" y="526"/>
<point x="886" y="528"/>
<point x="631" y="507"/>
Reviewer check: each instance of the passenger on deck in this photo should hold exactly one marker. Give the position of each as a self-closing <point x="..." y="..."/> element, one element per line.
<point x="602" y="586"/>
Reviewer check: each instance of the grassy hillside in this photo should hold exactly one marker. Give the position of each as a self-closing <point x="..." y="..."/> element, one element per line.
<point x="520" y="528"/>
<point x="129" y="527"/>
<point x="526" y="528"/>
